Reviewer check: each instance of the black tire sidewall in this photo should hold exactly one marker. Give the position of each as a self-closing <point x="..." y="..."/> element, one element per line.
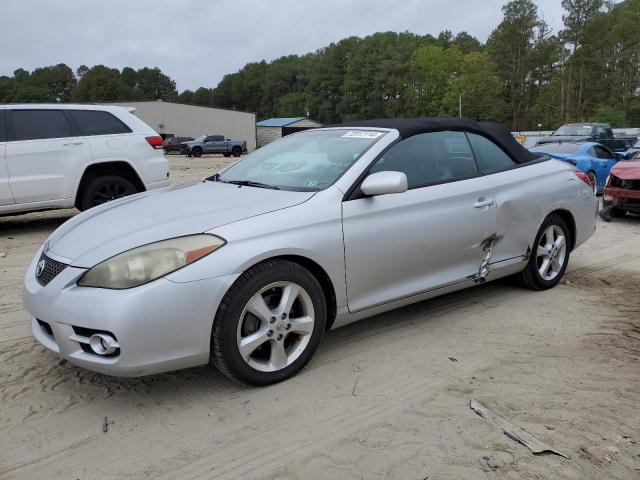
<point x="224" y="350"/>
<point x="93" y="185"/>
<point x="196" y="152"/>
<point x="532" y="268"/>
<point x="236" y="151"/>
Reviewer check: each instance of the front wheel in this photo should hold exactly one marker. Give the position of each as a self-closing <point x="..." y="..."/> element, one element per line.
<point x="196" y="152"/>
<point x="236" y="151"/>
<point x="104" y="189"/>
<point x="550" y="255"/>
<point x="268" y="324"/>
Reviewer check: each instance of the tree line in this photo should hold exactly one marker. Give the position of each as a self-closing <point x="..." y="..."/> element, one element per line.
<point x="525" y="75"/>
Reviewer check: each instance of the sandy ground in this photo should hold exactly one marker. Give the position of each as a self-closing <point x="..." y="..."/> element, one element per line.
<point x="384" y="398"/>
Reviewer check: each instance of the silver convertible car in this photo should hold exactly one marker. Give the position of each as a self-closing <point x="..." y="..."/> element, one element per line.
<point x="247" y="269"/>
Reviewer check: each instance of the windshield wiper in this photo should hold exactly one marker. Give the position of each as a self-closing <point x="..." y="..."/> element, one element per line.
<point x="249" y="183"/>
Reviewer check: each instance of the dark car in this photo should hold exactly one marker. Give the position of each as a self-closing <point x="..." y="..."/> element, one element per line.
<point x="587" y="132"/>
<point x="172" y="144"/>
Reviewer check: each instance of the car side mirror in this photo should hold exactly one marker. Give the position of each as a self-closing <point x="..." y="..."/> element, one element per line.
<point x="383" y="183"/>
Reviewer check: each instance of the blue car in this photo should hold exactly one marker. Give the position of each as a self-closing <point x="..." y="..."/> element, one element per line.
<point x="591" y="158"/>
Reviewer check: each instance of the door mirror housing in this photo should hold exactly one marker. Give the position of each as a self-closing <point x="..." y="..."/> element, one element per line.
<point x="383" y="183"/>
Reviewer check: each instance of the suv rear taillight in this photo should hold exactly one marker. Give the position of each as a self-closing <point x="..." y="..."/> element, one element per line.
<point x="584" y="178"/>
<point x="155" y="142"/>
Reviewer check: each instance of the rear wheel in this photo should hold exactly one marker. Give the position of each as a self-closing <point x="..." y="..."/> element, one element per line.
<point x="196" y="152"/>
<point x="226" y="154"/>
<point x="269" y="323"/>
<point x="550" y="255"/>
<point x="236" y="151"/>
<point x="104" y="189"/>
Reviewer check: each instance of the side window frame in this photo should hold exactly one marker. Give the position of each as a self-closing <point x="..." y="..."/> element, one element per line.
<point x="354" y="192"/>
<point x="475" y="156"/>
<point x="79" y="131"/>
<point x="10" y="125"/>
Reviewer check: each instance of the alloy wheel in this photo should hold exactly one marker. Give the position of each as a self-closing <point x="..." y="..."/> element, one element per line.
<point x="275" y="326"/>
<point x="110" y="191"/>
<point x="551" y="252"/>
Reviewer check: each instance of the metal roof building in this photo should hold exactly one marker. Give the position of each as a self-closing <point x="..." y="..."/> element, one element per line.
<point x="183" y="120"/>
<point x="275" y="128"/>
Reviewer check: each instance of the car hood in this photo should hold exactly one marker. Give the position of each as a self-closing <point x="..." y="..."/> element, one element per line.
<point x="112" y="228"/>
<point x="627" y="170"/>
<point x="562" y="138"/>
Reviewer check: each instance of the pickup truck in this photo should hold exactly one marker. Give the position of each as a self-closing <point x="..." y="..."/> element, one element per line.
<point x="587" y="132"/>
<point x="213" y="144"/>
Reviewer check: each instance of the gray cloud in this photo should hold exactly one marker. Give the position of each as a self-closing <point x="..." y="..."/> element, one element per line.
<point x="196" y="42"/>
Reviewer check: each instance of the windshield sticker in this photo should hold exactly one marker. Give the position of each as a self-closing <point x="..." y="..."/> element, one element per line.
<point x="362" y="134"/>
<point x="315" y="184"/>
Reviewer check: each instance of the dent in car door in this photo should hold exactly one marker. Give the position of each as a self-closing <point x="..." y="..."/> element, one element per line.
<point x="43" y="155"/>
<point x="404" y="244"/>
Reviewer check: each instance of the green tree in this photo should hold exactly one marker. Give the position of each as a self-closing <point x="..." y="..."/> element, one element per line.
<point x="510" y="46"/>
<point x="614" y="116"/>
<point x="202" y="96"/>
<point x="101" y="84"/>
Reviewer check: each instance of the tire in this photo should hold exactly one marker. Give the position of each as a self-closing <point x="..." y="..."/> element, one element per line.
<point x="531" y="277"/>
<point x="104" y="189"/>
<point x="226" y="155"/>
<point x="594" y="181"/>
<point x="617" y="212"/>
<point x="263" y="285"/>
<point x="236" y="151"/>
<point x="196" y="152"/>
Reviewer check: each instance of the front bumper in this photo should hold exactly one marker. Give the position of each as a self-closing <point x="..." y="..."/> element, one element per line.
<point x="160" y="326"/>
<point x="624" y="199"/>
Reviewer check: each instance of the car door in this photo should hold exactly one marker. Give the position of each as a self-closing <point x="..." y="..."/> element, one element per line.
<point x="432" y="235"/>
<point x="6" y="198"/>
<point x="521" y="193"/>
<point x="219" y="144"/>
<point x="43" y="152"/>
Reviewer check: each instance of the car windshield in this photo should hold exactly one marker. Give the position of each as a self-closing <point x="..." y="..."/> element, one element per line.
<point x="306" y="161"/>
<point x="574" y="130"/>
<point x="561" y="147"/>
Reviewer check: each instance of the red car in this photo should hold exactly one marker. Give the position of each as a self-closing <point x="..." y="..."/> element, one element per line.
<point x="622" y="191"/>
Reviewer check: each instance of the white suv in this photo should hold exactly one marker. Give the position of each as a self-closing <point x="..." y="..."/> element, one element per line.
<point x="61" y="156"/>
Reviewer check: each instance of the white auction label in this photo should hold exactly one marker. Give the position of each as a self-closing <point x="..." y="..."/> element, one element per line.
<point x="362" y="134"/>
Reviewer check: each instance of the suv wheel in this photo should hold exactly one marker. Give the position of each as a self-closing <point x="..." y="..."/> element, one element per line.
<point x="269" y="323"/>
<point x="236" y="151"/>
<point x="104" y="189"/>
<point x="550" y="255"/>
<point x="196" y="152"/>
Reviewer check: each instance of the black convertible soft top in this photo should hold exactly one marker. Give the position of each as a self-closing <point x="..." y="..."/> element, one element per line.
<point x="414" y="126"/>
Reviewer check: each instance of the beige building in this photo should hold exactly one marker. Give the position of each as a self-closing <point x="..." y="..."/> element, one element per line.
<point x="181" y="120"/>
<point x="275" y="128"/>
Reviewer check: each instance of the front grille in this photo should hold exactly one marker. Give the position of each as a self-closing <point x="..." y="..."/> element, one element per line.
<point x="47" y="269"/>
<point x="626" y="184"/>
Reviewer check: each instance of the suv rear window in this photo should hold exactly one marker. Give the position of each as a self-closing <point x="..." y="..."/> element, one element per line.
<point x="96" y="122"/>
<point x="39" y="124"/>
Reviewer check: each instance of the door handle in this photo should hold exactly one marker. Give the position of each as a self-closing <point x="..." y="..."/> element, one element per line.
<point x="483" y="202"/>
<point x="73" y="143"/>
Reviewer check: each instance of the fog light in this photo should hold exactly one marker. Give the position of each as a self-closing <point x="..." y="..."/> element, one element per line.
<point x="103" y="344"/>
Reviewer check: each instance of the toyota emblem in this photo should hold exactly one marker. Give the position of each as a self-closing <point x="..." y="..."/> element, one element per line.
<point x="40" y="268"/>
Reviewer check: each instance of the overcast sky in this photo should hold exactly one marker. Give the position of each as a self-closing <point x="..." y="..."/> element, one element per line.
<point x="196" y="42"/>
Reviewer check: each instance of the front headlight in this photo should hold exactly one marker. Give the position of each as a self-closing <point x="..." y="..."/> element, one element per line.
<point x="149" y="262"/>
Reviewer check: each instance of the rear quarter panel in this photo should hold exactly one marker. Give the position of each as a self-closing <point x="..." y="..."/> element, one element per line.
<point x="526" y="195"/>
